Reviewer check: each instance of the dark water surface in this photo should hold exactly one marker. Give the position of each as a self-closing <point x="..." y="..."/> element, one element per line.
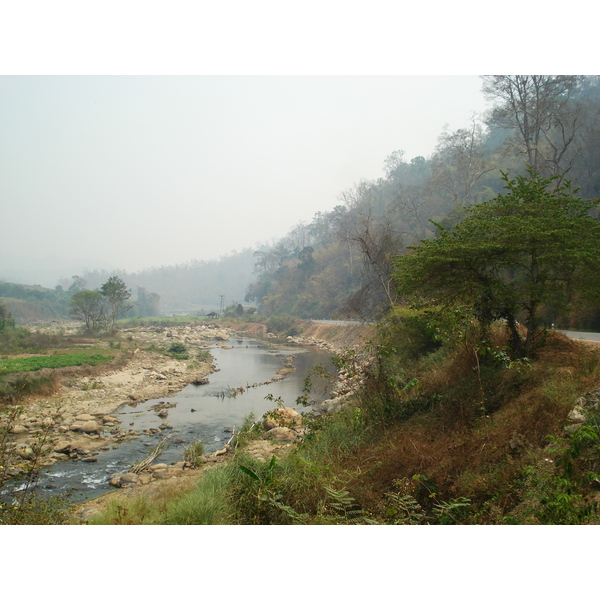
<point x="204" y="412"/>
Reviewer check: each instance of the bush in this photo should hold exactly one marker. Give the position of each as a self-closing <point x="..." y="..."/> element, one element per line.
<point x="282" y="324"/>
<point x="193" y="453"/>
<point x="178" y="350"/>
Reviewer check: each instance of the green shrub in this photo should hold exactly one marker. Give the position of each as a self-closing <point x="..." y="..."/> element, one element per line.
<point x="193" y="453"/>
<point x="282" y="324"/>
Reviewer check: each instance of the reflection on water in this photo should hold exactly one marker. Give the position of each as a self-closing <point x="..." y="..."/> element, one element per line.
<point x="202" y="412"/>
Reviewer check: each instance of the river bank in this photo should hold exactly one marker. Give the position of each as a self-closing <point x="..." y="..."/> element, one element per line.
<point x="78" y="422"/>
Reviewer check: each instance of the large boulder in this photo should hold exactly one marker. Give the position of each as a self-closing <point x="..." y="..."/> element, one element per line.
<point x="281" y="434"/>
<point x="282" y="417"/>
<point x="62" y="447"/>
<point x="86" y="427"/>
<point x="124" y="479"/>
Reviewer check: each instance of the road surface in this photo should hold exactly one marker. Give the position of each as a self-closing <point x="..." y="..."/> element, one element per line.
<point x="581" y="335"/>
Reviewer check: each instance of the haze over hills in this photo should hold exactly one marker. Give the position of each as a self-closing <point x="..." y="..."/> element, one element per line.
<point x="341" y="261"/>
<point x="45" y="270"/>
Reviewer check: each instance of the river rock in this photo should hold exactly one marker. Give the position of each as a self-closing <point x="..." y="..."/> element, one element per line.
<point x="19" y="429"/>
<point x="86" y="426"/>
<point x="124" y="479"/>
<point x="25" y="452"/>
<point x="63" y="447"/>
<point x="281" y="434"/>
<point x="576" y="416"/>
<point x="282" y="417"/>
<point x="157" y="466"/>
<point x="84" y="417"/>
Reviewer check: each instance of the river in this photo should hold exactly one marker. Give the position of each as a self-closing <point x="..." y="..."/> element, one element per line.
<point x="202" y="412"/>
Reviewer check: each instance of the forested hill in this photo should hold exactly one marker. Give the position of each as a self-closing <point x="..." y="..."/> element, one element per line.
<point x="341" y="263"/>
<point x="194" y="286"/>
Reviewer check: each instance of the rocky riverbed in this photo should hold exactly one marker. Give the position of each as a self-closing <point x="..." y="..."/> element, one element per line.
<point x="78" y="422"/>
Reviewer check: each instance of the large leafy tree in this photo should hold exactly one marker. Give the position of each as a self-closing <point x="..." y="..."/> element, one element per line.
<point x="116" y="294"/>
<point x="535" y="246"/>
<point x="88" y="306"/>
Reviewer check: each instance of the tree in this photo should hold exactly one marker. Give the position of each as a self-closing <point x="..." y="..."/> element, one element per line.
<point x="79" y="284"/>
<point x="459" y="162"/>
<point x="538" y="109"/>
<point x="6" y="319"/>
<point x="535" y="246"/>
<point x="116" y="294"/>
<point x="373" y="231"/>
<point x="147" y="303"/>
<point x="88" y="306"/>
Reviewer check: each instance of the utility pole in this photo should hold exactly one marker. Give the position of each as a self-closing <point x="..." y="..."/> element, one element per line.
<point x="222" y="305"/>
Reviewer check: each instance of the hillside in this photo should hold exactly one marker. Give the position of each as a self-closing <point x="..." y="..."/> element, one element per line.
<point x="429" y="442"/>
<point x="29" y="303"/>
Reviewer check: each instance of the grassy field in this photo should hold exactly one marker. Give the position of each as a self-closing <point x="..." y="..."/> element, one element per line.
<point x="35" y="363"/>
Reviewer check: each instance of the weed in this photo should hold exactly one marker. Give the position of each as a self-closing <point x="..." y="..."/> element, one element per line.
<point x="194" y="452"/>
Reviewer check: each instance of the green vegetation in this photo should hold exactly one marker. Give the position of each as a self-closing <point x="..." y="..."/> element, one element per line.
<point x="341" y="263"/>
<point x="27" y="302"/>
<point x="472" y="410"/>
<point x="445" y="438"/>
<point x="163" y="321"/>
<point x="534" y="248"/>
<point x="34" y="363"/>
<point x="116" y="295"/>
<point x="464" y="416"/>
<point x="193" y="453"/>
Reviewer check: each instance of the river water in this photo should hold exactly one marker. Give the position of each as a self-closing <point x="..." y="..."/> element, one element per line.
<point x="207" y="413"/>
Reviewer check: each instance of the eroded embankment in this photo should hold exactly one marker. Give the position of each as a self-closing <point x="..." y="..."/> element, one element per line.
<point x="337" y="336"/>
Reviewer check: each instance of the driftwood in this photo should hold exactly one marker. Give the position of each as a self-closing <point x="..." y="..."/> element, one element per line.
<point x="226" y="447"/>
<point x="142" y="466"/>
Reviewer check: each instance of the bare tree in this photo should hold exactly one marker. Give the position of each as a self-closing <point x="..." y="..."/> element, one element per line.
<point x="538" y="109"/>
<point x="459" y="162"/>
<point x="371" y="230"/>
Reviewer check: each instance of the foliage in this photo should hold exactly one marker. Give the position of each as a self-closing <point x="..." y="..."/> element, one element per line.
<point x="282" y="324"/>
<point x="34" y="363"/>
<point x="36" y="510"/>
<point x="27" y="505"/>
<point x="116" y="295"/>
<point x="178" y="349"/>
<point x="340" y="263"/>
<point x="529" y="248"/>
<point x="6" y="319"/>
<point x="88" y="306"/>
<point x="28" y="302"/>
<point x="194" y="452"/>
<point x="147" y="303"/>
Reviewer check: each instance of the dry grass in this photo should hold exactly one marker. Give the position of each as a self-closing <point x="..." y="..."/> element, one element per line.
<point x="454" y="449"/>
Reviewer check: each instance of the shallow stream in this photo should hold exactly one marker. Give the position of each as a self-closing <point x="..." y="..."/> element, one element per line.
<point x="206" y="412"/>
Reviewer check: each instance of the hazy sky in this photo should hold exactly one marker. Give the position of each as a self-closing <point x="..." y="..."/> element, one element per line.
<point x="135" y="172"/>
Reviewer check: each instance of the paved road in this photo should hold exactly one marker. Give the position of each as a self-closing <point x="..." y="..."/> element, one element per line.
<point x="581" y="335"/>
<point x="588" y="336"/>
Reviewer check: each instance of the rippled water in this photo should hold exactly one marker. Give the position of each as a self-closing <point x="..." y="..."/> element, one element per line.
<point x="204" y="412"/>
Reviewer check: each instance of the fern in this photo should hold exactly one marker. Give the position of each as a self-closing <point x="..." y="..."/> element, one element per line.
<point x="344" y="508"/>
